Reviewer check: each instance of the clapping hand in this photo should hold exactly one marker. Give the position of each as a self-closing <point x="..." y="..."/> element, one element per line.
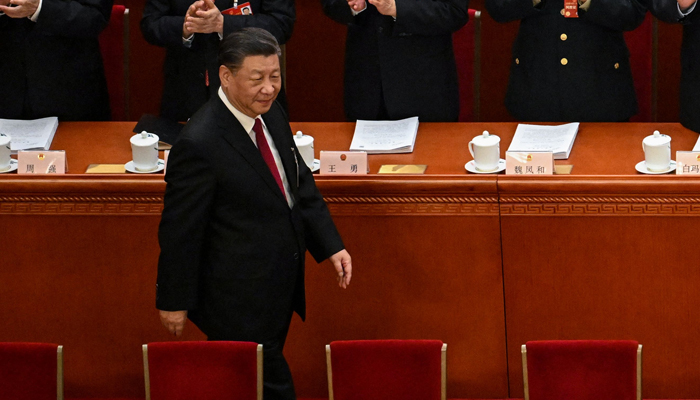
<point x="385" y="7"/>
<point x="20" y="8"/>
<point x="357" y="5"/>
<point x="205" y="17"/>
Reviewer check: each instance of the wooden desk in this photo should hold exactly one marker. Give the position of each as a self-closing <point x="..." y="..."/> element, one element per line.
<point x="483" y="262"/>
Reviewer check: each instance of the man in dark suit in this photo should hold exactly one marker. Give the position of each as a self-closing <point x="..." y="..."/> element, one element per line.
<point x="191" y="31"/>
<point x="241" y="208"/>
<point x="399" y="60"/>
<point x="688" y="13"/>
<point x="50" y="59"/>
<point x="570" y="69"/>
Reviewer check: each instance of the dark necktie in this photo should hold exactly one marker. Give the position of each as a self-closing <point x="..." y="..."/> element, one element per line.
<point x="264" y="148"/>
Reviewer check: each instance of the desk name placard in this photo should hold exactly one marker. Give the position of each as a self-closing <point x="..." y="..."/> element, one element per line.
<point x="688" y="163"/>
<point x="43" y="162"/>
<point x="528" y="163"/>
<point x="344" y="163"/>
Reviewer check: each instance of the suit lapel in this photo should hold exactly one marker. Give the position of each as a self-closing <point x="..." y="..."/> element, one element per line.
<point x="238" y="138"/>
<point x="279" y="130"/>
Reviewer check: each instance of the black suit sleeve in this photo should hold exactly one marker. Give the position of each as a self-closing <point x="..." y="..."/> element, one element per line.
<point x="74" y="18"/>
<point x="188" y="201"/>
<point x="274" y="16"/>
<point x="510" y="10"/>
<point x="619" y="15"/>
<point x="427" y="18"/>
<point x="160" y="26"/>
<point x="667" y="10"/>
<point x="338" y="10"/>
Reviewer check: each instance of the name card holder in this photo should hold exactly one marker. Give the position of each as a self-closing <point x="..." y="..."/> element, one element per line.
<point x="529" y="163"/>
<point x="44" y="162"/>
<point x="344" y="163"/>
<point x="688" y="163"/>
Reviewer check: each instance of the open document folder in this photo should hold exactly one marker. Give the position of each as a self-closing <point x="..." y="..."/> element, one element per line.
<point x="376" y="137"/>
<point x="558" y="139"/>
<point x="34" y="134"/>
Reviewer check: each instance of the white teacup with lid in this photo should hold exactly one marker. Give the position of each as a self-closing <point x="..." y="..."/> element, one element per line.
<point x="657" y="152"/>
<point x="144" y="149"/>
<point x="486" y="151"/>
<point x="5" y="151"/>
<point x="305" y="144"/>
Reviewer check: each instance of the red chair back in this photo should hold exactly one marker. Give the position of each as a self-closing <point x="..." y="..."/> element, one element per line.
<point x="642" y="49"/>
<point x="386" y="369"/>
<point x="114" y="45"/>
<point x="30" y="371"/>
<point x="203" y="370"/>
<point x="467" y="48"/>
<point x="581" y="370"/>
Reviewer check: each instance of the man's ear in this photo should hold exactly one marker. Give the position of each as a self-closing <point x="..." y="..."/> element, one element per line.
<point x="225" y="74"/>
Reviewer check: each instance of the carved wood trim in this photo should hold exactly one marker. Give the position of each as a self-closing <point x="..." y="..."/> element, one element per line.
<point x="600" y="205"/>
<point x="407" y="205"/>
<point x="81" y="205"/>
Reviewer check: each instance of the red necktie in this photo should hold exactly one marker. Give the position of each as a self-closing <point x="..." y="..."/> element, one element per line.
<point x="264" y="148"/>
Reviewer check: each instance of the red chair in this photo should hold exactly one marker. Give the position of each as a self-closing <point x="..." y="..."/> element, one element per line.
<point x="203" y="370"/>
<point x="387" y="369"/>
<point x="642" y="44"/>
<point x="31" y="371"/>
<point x="114" y="45"/>
<point x="467" y="48"/>
<point x="582" y="370"/>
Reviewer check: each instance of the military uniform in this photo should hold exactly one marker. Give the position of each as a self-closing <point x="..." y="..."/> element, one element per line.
<point x="570" y="69"/>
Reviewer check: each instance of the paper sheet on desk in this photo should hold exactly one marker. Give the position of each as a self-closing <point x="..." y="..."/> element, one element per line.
<point x="558" y="139"/>
<point x="697" y="145"/>
<point x="376" y="137"/>
<point x="35" y="134"/>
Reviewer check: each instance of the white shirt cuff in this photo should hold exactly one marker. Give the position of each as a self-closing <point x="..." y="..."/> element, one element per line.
<point x="36" y="13"/>
<point x="187" y="42"/>
<point x="354" y="13"/>
<point x="688" y="11"/>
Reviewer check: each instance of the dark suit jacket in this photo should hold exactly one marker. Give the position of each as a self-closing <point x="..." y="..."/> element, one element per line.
<point x="667" y="10"/>
<point x="408" y="62"/>
<point x="596" y="82"/>
<point x="232" y="251"/>
<point x="185" y="89"/>
<point x="53" y="67"/>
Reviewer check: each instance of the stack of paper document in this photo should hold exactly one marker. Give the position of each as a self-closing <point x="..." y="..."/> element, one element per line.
<point x="377" y="137"/>
<point x="35" y="134"/>
<point x="557" y="139"/>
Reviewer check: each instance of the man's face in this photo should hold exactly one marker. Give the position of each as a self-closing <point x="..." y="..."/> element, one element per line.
<point x="254" y="87"/>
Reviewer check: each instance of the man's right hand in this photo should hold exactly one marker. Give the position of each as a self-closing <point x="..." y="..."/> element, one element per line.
<point x="685" y="4"/>
<point x="174" y="321"/>
<point x="191" y="12"/>
<point x="357" y="5"/>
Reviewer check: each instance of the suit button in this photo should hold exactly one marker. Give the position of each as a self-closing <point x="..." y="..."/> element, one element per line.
<point x="296" y="256"/>
<point x="380" y="29"/>
<point x="617" y="65"/>
<point x="517" y="61"/>
<point x="564" y="61"/>
<point x="563" y="37"/>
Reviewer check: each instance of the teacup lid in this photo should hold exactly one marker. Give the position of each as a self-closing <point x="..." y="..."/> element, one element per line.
<point x="486" y="139"/>
<point x="302" y="140"/>
<point x="144" y="139"/>
<point x="657" y="139"/>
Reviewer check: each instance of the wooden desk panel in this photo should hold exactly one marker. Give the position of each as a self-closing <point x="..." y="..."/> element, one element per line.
<point x="86" y="252"/>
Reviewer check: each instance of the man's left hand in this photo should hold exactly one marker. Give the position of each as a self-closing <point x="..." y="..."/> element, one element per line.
<point x="385" y="7"/>
<point x="207" y="19"/>
<point x="343" y="267"/>
<point x="21" y="9"/>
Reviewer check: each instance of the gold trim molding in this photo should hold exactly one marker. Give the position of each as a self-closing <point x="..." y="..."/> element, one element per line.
<point x="82" y="205"/>
<point x="601" y="206"/>
<point x="406" y="205"/>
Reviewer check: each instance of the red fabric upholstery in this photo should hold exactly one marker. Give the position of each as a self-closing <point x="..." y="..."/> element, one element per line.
<point x="28" y="371"/>
<point x="465" y="42"/>
<point x="113" y="53"/>
<point x="582" y="370"/>
<point x="640" y="44"/>
<point x="386" y="369"/>
<point x="203" y="370"/>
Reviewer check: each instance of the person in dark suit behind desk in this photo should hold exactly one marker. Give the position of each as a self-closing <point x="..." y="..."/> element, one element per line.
<point x="238" y="218"/>
<point x="190" y="31"/>
<point x="399" y="60"/>
<point x="688" y="13"/>
<point x="50" y="59"/>
<point x="570" y="69"/>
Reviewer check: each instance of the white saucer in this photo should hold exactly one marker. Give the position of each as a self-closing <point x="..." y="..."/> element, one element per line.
<point x="642" y="167"/>
<point x="13" y="167"/>
<point x="130" y="167"/>
<point x="471" y="167"/>
<point x="316" y="166"/>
